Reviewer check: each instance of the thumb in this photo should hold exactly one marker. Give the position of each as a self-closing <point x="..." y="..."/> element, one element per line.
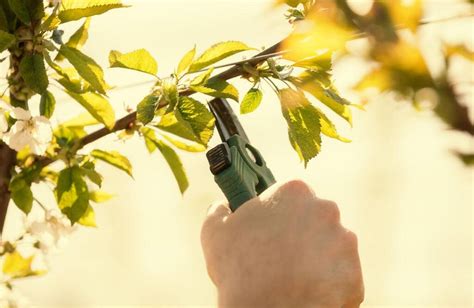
<point x="218" y="212"/>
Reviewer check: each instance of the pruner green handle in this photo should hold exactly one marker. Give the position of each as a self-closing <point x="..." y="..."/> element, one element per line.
<point x="240" y="170"/>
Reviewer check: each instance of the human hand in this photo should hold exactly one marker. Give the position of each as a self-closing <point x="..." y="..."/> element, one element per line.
<point x="285" y="248"/>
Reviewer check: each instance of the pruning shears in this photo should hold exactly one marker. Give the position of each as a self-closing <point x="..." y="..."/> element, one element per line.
<point x="239" y="169"/>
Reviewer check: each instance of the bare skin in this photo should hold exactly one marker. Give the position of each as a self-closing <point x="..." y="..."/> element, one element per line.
<point x="285" y="248"/>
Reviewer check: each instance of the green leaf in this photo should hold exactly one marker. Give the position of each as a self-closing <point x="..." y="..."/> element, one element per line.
<point x="170" y="156"/>
<point x="170" y="92"/>
<point x="191" y="120"/>
<point x="88" y="219"/>
<point x="78" y="39"/>
<point x="138" y="60"/>
<point x="307" y="81"/>
<point x="86" y="67"/>
<point x="186" y="61"/>
<point x="21" y="193"/>
<point x="321" y="62"/>
<point x="73" y="10"/>
<point x="16" y="266"/>
<point x="115" y="159"/>
<point x="97" y="106"/>
<point x="3" y="20"/>
<point x="251" y="101"/>
<point x="9" y="23"/>
<point x="6" y="40"/>
<point x="216" y="53"/>
<point x="34" y="73"/>
<point x="328" y="128"/>
<point x="88" y="169"/>
<point x="202" y="78"/>
<point x="146" y="109"/>
<point x="47" y="104"/>
<point x="21" y="10"/>
<point x="72" y="194"/>
<point x="218" y="88"/>
<point x="100" y="196"/>
<point x="195" y="147"/>
<point x="304" y="128"/>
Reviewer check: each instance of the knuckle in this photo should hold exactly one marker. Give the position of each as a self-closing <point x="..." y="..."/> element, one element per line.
<point x="297" y="187"/>
<point x="331" y="211"/>
<point x="351" y="239"/>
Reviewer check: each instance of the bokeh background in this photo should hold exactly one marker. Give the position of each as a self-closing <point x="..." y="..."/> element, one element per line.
<point x="397" y="184"/>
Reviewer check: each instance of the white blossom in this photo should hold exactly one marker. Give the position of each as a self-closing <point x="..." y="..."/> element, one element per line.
<point x="51" y="232"/>
<point x="3" y="119"/>
<point x="11" y="298"/>
<point x="34" y="132"/>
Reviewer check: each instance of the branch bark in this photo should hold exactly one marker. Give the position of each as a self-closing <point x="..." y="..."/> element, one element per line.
<point x="7" y="162"/>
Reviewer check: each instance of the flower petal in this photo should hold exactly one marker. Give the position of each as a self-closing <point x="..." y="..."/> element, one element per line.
<point x="3" y="124"/>
<point x="21" y="114"/>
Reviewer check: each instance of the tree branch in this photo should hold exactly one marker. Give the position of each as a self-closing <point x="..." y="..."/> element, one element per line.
<point x="8" y="160"/>
<point x="127" y="120"/>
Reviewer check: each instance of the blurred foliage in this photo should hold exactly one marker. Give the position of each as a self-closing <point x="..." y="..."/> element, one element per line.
<point x="399" y="65"/>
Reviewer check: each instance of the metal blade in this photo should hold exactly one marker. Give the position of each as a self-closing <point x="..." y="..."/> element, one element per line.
<point x="227" y="122"/>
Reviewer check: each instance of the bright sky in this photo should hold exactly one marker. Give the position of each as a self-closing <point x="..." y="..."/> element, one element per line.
<point x="397" y="185"/>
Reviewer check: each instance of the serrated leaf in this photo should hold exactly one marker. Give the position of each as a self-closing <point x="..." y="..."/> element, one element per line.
<point x="186" y="61"/>
<point x="72" y="194"/>
<point x="73" y="10"/>
<point x="202" y="78"/>
<point x="191" y="120"/>
<point x="218" y="88"/>
<point x="6" y="40"/>
<point x="100" y="196"/>
<point x="86" y="67"/>
<point x="21" y="10"/>
<point x="21" y="194"/>
<point x="170" y="156"/>
<point x="216" y="53"/>
<point x="138" y="60"/>
<point x="304" y="128"/>
<point x="328" y="96"/>
<point x="47" y="104"/>
<point x="16" y="266"/>
<point x="88" y="219"/>
<point x="34" y="73"/>
<point x="115" y="159"/>
<point x="251" y="101"/>
<point x="97" y="106"/>
<point x="146" y="109"/>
